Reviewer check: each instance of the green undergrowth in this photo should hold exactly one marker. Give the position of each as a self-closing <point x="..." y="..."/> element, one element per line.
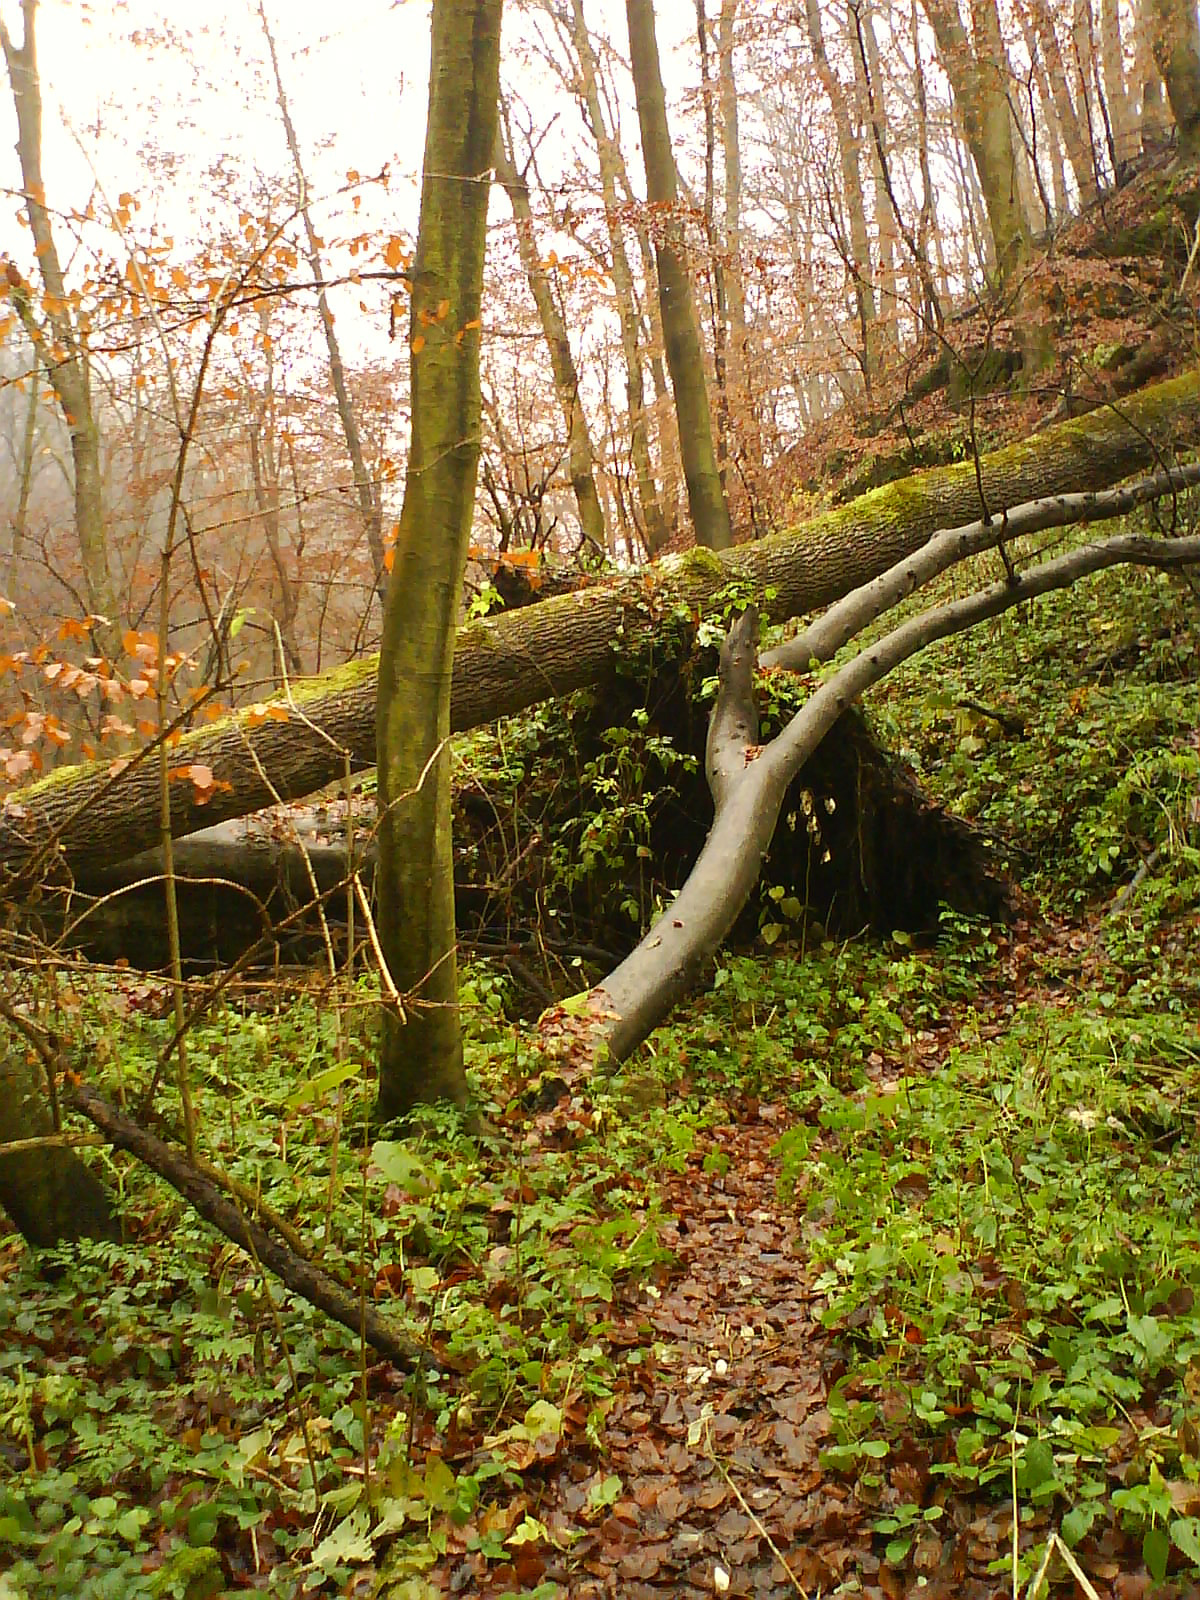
<point x="1070" y="727"/>
<point x="174" y="1425"/>
<point x="1008" y="1241"/>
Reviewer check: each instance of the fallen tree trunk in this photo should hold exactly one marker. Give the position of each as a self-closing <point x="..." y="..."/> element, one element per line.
<point x="83" y="818"/>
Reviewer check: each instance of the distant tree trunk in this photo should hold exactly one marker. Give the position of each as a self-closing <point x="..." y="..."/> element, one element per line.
<point x="421" y="1047"/>
<point x="264" y="470"/>
<point x="367" y="489"/>
<point x="19" y="520"/>
<point x="654" y="523"/>
<point x="580" y="455"/>
<point x="1047" y="128"/>
<point x="716" y="266"/>
<point x="1177" y="52"/>
<point x="710" y="514"/>
<point x="1112" y="56"/>
<point x="979" y="76"/>
<point x="60" y="346"/>
<point x="1075" y="136"/>
<point x="735" y="288"/>
<point x="872" y="114"/>
<point x="927" y="227"/>
<point x="859" y="263"/>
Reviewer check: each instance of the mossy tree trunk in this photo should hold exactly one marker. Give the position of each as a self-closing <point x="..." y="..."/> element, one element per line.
<point x="681" y="328"/>
<point x="421" y="1047"/>
<point x="49" y="1193"/>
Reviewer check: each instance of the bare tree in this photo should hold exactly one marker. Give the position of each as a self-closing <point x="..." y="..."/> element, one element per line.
<point x="367" y="489"/>
<point x="59" y="339"/>
<point x="710" y="513"/>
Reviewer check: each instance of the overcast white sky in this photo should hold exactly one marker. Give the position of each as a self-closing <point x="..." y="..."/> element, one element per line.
<point x="149" y="96"/>
<point x="122" y="77"/>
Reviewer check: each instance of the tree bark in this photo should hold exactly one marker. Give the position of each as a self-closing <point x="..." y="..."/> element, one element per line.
<point x="421" y="1046"/>
<point x="50" y="1194"/>
<point x="58" y="344"/>
<point x="1076" y="139"/>
<point x="858" y="262"/>
<point x="83" y="818"/>
<point x="681" y="331"/>
<point x="1112" y="58"/>
<point x="655" y="530"/>
<point x="1153" y="118"/>
<point x="580" y="455"/>
<point x="978" y="72"/>
<point x="1177" y="52"/>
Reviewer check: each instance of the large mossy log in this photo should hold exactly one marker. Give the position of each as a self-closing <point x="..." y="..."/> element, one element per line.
<point x="81" y="819"/>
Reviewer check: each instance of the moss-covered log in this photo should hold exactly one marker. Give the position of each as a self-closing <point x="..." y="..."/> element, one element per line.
<point x="505" y="663"/>
<point x="50" y="1194"/>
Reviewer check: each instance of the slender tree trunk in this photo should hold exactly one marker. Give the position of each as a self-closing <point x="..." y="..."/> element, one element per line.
<point x="1112" y="56"/>
<point x="735" y="288"/>
<point x="979" y="77"/>
<point x="421" y="1047"/>
<point x="681" y="332"/>
<point x="859" y="264"/>
<point x="872" y="114"/>
<point x="367" y="489"/>
<point x="927" y="226"/>
<point x="1176" y="41"/>
<point x="59" y="345"/>
<point x="19" y="522"/>
<point x="719" y="310"/>
<point x="1049" y="134"/>
<point x="1069" y="121"/>
<point x="580" y="455"/>
<point x="654" y="524"/>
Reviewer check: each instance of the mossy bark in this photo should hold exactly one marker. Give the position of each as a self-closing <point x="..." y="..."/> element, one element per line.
<point x="1177" y="53"/>
<point x="421" y="1048"/>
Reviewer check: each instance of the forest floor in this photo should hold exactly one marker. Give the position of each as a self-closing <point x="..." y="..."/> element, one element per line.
<point x="874" y="1273"/>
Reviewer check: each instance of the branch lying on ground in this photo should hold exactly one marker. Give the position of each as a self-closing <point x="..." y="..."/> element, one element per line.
<point x="311" y="1282"/>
